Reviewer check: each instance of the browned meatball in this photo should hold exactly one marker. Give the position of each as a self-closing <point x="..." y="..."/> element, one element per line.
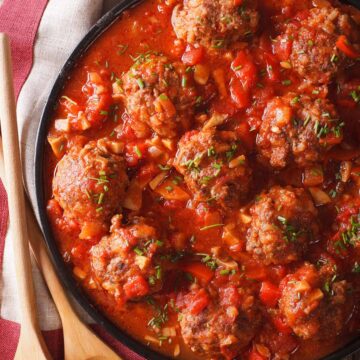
<point x="158" y="96"/>
<point x="90" y="183"/>
<point x="314" y="55"/>
<point x="214" y="329"/>
<point x="283" y="222"/>
<point x="124" y="261"/>
<point x="298" y="128"/>
<point x="214" y="166"/>
<point x="214" y="23"/>
<point x="314" y="307"/>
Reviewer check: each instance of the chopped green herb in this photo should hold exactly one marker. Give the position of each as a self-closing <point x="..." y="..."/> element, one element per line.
<point x="137" y="151"/>
<point x="138" y="251"/>
<point x="211" y="227"/>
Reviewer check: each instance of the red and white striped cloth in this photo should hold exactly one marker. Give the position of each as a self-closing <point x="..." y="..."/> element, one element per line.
<point x="43" y="33"/>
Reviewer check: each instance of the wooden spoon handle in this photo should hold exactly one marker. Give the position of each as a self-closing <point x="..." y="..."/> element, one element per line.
<point x="15" y="193"/>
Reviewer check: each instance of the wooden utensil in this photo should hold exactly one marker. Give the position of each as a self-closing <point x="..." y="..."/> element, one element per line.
<point x="31" y="343"/>
<point x="80" y="343"/>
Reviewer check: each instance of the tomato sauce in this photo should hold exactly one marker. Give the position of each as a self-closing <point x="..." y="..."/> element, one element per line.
<point x="205" y="191"/>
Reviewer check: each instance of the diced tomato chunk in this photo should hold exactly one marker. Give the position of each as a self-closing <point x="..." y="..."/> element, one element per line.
<point x="135" y="287"/>
<point x="239" y="95"/>
<point x="269" y="294"/>
<point x="201" y="271"/>
<point x="230" y="296"/>
<point x="54" y="209"/>
<point x="198" y="302"/>
<point x="272" y="67"/>
<point x="281" y="326"/>
<point x="245" y="69"/>
<point x="193" y="55"/>
<point x="246" y="136"/>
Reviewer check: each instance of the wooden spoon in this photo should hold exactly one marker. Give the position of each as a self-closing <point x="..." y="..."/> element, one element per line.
<point x="80" y="343"/>
<point x="31" y="343"/>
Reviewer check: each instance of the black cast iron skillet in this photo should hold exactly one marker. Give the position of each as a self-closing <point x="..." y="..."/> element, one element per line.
<point x="65" y="275"/>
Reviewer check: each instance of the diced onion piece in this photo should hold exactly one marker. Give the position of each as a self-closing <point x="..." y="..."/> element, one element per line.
<point x="169" y="191"/>
<point x="169" y="144"/>
<point x="246" y="219"/>
<point x="302" y="286"/>
<point x="163" y="103"/>
<point x="229" y="236"/>
<point x="152" y="339"/>
<point x="286" y="64"/>
<point x="58" y="145"/>
<point x="117" y="147"/>
<point x="177" y="350"/>
<point x="201" y="74"/>
<point x="63" y="125"/>
<point x="79" y="273"/>
<point x="133" y="199"/>
<point x="320" y="197"/>
<point x="316" y="295"/>
<point x="154" y="183"/>
<point x="142" y="261"/>
<point x="283" y="115"/>
<point x="94" y="77"/>
<point x="345" y="170"/>
<point x="313" y="176"/>
<point x="215" y="120"/>
<point x="169" y="331"/>
<point x="90" y="230"/>
<point x="239" y="161"/>
<point x="154" y="151"/>
<point x="219" y="77"/>
<point x="117" y="91"/>
<point x="229" y="265"/>
<point x="263" y="351"/>
<point x="91" y="284"/>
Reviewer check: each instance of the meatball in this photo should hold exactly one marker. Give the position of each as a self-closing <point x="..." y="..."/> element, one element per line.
<point x="314" y="54"/>
<point x="283" y="222"/>
<point x="212" y="329"/>
<point x="314" y="307"/>
<point x="214" y="23"/>
<point x="124" y="262"/>
<point x="158" y="96"/>
<point x="90" y="183"/>
<point x="298" y="128"/>
<point x="214" y="166"/>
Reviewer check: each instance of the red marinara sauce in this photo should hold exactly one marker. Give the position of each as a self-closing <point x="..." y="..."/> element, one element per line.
<point x="203" y="175"/>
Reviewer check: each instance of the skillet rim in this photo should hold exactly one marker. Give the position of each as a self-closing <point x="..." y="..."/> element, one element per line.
<point x="69" y="283"/>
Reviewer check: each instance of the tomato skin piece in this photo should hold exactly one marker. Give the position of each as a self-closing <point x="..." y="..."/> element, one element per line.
<point x="343" y="45"/>
<point x="254" y="355"/>
<point x="192" y="55"/>
<point x="199" y="270"/>
<point x="239" y="95"/>
<point x="269" y="294"/>
<point x="135" y="287"/>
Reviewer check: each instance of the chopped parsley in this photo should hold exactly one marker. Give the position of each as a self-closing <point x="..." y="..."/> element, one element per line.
<point x="291" y="234"/>
<point x="208" y="260"/>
